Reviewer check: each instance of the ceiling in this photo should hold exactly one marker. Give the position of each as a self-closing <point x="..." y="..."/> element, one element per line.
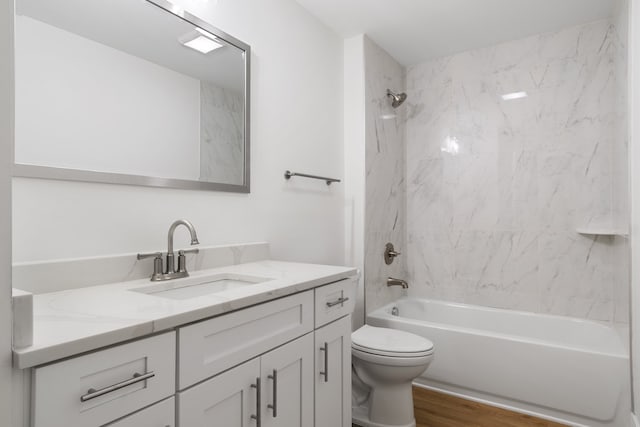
<point x="141" y="29"/>
<point x="413" y="31"/>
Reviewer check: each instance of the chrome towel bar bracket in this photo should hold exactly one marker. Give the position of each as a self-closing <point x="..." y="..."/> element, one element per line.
<point x="289" y="174"/>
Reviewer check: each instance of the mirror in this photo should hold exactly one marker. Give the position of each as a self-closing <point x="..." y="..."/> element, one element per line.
<point x="129" y="92"/>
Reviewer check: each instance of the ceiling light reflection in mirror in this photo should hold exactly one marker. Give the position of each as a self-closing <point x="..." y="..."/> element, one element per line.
<point x="201" y="41"/>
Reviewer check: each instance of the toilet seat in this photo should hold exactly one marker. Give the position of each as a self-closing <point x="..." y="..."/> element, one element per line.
<point x="388" y="342"/>
<point x="377" y="352"/>
<point x="396" y="361"/>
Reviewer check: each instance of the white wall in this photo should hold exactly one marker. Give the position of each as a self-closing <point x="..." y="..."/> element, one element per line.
<point x="101" y="109"/>
<point x="296" y="123"/>
<point x="6" y="146"/>
<point x="354" y="164"/>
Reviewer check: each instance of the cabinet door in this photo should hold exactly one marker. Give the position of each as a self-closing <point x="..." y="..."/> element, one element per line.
<point x="227" y="400"/>
<point x="287" y="384"/>
<point x="333" y="374"/>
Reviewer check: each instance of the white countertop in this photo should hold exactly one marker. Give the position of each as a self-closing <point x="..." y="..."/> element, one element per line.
<point x="74" y="321"/>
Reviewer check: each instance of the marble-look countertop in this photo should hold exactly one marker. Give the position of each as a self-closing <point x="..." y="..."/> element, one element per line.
<point x="74" y="321"/>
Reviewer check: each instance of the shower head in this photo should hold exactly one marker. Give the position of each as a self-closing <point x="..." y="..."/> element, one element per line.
<point x="396" y="99"/>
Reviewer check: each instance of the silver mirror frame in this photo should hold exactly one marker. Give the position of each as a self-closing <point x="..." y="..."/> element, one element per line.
<point x="63" y="174"/>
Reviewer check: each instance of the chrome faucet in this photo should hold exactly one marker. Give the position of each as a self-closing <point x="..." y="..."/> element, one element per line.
<point x="397" y="282"/>
<point x="171" y="266"/>
<point x="169" y="271"/>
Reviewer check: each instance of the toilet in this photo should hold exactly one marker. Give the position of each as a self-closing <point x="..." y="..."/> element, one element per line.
<point x="385" y="362"/>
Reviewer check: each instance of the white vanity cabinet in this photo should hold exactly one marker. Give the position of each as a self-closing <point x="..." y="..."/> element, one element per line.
<point x="281" y="363"/>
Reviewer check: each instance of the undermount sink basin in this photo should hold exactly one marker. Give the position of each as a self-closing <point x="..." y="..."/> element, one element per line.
<point x="194" y="287"/>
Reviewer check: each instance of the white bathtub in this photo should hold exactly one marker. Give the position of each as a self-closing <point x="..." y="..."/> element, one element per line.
<point x="570" y="370"/>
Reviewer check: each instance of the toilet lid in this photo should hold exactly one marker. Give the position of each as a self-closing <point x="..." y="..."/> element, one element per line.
<point x="390" y="342"/>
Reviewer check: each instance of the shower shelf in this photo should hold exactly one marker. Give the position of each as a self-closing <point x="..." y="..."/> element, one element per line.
<point x="602" y="231"/>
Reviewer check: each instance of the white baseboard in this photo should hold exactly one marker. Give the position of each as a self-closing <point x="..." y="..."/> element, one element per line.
<point x="634" y="420"/>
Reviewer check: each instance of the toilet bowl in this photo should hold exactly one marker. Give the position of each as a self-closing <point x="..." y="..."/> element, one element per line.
<point x="385" y="362"/>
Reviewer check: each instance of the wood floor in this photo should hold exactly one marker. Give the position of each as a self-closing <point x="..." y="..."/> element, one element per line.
<point x="434" y="409"/>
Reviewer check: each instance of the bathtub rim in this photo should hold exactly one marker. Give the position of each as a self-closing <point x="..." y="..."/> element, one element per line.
<point x="622" y="351"/>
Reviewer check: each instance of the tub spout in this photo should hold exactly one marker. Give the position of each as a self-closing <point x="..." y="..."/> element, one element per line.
<point x="397" y="282"/>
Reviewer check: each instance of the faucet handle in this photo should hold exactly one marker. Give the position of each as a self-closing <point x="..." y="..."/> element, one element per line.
<point x="182" y="259"/>
<point x="188" y="251"/>
<point x="390" y="253"/>
<point x="157" y="263"/>
<point x="150" y="255"/>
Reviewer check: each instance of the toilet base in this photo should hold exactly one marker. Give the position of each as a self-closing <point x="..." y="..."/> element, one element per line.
<point x="360" y="417"/>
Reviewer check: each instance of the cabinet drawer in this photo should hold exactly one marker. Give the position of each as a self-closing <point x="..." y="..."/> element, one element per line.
<point x="334" y="301"/>
<point x="212" y="346"/>
<point x="161" y="414"/>
<point x="99" y="387"/>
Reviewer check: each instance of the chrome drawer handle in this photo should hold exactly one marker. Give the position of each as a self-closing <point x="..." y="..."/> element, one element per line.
<point x="338" y="301"/>
<point x="92" y="393"/>
<point x="257" y="416"/>
<point x="325" y="374"/>
<point x="274" y="407"/>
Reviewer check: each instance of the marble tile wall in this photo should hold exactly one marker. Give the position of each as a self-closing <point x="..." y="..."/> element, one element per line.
<point x="385" y="195"/>
<point x="496" y="189"/>
<point x="221" y="135"/>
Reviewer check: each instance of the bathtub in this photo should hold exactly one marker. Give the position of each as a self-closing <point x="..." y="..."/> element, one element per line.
<point x="564" y="369"/>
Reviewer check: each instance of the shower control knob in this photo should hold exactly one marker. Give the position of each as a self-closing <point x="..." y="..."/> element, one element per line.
<point x="390" y="253"/>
